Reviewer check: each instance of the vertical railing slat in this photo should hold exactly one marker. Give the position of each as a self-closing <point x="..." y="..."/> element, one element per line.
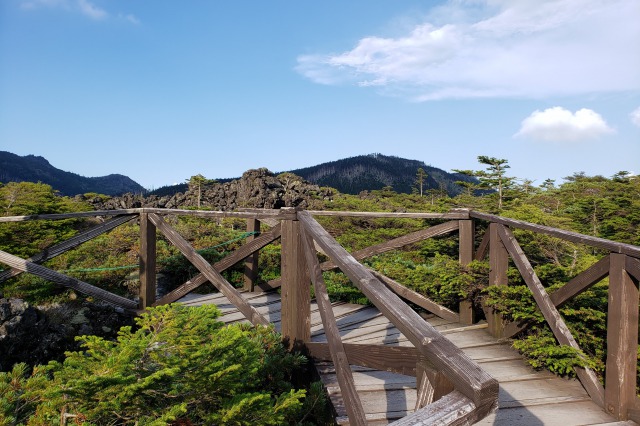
<point x="147" y="291"/>
<point x="622" y="339"/>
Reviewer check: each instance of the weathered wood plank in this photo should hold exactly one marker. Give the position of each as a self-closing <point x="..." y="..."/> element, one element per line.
<point x="622" y="340"/>
<point x="61" y="216"/>
<point x="58" y="278"/>
<point x="296" y="285"/>
<point x="259" y="214"/>
<point x="414" y="237"/>
<point x="498" y="258"/>
<point x="581" y="282"/>
<point x="453" y="215"/>
<point x="251" y="261"/>
<point x="354" y="407"/>
<point x="222" y="265"/>
<point x="395" y="359"/>
<point x="633" y="267"/>
<point x="147" y="291"/>
<point x="207" y="270"/>
<point x="483" y="248"/>
<point x="466" y="241"/>
<point x="69" y="244"/>
<point x="560" y="330"/>
<point x="572" y="413"/>
<point x="431" y="384"/>
<point x="609" y="245"/>
<point x="452" y="409"/>
<point x="467" y="376"/>
<point x="417" y="298"/>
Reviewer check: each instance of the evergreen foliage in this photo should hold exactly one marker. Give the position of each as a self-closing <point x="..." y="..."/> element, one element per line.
<point x="180" y="364"/>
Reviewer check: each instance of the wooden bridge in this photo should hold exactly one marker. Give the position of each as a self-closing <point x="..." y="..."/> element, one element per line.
<point x="386" y="363"/>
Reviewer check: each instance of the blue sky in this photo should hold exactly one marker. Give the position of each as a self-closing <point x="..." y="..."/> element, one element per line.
<point x="162" y="90"/>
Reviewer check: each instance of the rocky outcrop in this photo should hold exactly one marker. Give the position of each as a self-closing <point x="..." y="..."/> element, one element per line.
<point x="37" y="335"/>
<point x="258" y="188"/>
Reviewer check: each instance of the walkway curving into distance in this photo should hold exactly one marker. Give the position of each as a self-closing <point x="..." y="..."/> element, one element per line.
<point x="527" y="397"/>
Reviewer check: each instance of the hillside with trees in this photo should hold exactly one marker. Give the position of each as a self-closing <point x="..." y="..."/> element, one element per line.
<point x="376" y="171"/>
<point x="606" y="207"/>
<point x="31" y="168"/>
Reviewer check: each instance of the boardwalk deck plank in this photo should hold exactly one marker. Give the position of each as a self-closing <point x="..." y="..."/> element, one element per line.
<point x="527" y="397"/>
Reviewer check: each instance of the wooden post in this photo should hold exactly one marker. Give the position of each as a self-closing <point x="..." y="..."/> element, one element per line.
<point x="296" y="297"/>
<point x="498" y="264"/>
<point x="622" y="339"/>
<point x="498" y="258"/>
<point x="431" y="383"/>
<point x="147" y="292"/>
<point x="466" y="243"/>
<point x="466" y="255"/>
<point x="251" y="262"/>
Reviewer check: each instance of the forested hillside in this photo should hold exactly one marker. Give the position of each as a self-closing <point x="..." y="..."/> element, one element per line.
<point x="376" y="171"/>
<point x="30" y="168"/>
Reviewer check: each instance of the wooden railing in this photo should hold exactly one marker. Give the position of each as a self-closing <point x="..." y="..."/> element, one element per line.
<point x="452" y="389"/>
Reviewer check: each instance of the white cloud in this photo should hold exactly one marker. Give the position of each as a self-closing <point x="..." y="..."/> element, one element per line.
<point x="497" y="48"/>
<point x="559" y="124"/>
<point x="91" y="10"/>
<point x="635" y="116"/>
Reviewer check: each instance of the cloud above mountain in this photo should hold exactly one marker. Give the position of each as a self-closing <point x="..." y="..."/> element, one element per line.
<point x="497" y="48"/>
<point x="560" y="124"/>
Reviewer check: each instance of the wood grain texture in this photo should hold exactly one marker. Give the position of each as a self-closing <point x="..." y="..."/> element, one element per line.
<point x="355" y="411"/>
<point x="483" y="248"/>
<point x="70" y="244"/>
<point x="417" y="298"/>
<point x="66" y="281"/>
<point x="581" y="282"/>
<point x="498" y="258"/>
<point x="453" y="215"/>
<point x="207" y="270"/>
<point x="147" y="291"/>
<point x="431" y="384"/>
<point x="395" y="359"/>
<point x="466" y="375"/>
<point x="61" y="216"/>
<point x="633" y="267"/>
<point x="296" y="285"/>
<point x="251" y="261"/>
<point x="560" y="330"/>
<point x="622" y="340"/>
<point x="453" y="409"/>
<point x="466" y="241"/>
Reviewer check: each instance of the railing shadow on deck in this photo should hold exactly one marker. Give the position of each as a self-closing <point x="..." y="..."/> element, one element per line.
<point x="451" y="387"/>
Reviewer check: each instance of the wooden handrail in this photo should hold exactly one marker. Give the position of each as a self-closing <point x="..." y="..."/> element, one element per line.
<point x="262" y="214"/>
<point x="574" y="237"/>
<point x="465" y="374"/>
<point x="453" y="215"/>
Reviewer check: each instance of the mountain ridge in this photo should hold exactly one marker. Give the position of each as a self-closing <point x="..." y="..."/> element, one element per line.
<point x="33" y="168"/>
<point x="375" y="171"/>
<point x="351" y="175"/>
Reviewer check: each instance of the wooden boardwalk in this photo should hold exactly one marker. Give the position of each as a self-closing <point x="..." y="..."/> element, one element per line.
<point x="527" y="397"/>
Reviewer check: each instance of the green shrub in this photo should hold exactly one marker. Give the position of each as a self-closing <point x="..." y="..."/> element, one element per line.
<point x="180" y="364"/>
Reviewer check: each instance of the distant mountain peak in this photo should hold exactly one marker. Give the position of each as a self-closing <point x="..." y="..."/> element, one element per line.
<point x="33" y="168"/>
<point x="376" y="171"/>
